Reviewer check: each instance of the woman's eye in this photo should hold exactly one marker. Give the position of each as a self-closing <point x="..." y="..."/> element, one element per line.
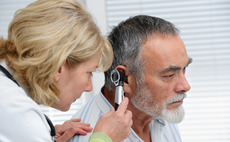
<point x="91" y="74"/>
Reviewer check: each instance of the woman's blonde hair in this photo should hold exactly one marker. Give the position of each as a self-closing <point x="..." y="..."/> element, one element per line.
<point x="44" y="35"/>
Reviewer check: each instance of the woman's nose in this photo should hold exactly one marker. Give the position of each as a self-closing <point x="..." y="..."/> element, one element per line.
<point x="89" y="86"/>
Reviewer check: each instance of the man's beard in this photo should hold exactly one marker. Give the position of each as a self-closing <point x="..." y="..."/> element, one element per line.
<point x="143" y="101"/>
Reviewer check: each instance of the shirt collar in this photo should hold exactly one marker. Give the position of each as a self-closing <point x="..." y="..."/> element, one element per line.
<point x="103" y="104"/>
<point x="160" y="121"/>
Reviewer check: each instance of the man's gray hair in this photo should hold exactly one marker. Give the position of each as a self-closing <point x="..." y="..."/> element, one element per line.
<point x="127" y="39"/>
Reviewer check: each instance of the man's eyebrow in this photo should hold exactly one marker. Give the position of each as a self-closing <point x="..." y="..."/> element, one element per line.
<point x="189" y="61"/>
<point x="175" y="68"/>
<point x="170" y="69"/>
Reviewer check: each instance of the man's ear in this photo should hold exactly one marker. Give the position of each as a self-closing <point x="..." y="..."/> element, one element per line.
<point x="128" y="84"/>
<point x="57" y="76"/>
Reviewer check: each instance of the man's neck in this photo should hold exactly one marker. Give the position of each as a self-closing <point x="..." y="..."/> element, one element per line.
<point x="141" y="121"/>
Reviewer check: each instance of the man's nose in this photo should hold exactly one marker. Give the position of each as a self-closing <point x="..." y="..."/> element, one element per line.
<point x="182" y="85"/>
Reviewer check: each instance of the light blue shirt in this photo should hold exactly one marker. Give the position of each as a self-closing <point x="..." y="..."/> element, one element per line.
<point x="161" y="131"/>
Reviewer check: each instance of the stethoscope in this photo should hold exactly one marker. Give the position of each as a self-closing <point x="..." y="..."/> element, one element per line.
<point x="52" y="129"/>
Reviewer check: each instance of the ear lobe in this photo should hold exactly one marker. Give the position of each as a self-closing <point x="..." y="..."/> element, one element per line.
<point x="57" y="76"/>
<point x="130" y="85"/>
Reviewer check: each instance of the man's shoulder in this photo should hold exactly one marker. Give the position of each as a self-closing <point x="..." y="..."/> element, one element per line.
<point x="85" y="109"/>
<point x="89" y="113"/>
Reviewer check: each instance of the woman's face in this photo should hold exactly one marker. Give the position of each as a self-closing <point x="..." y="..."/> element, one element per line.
<point x="73" y="82"/>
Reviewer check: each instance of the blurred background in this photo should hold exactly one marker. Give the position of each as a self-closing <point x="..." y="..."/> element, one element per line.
<point x="205" y="29"/>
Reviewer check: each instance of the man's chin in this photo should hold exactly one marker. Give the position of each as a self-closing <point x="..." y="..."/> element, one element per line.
<point x="173" y="116"/>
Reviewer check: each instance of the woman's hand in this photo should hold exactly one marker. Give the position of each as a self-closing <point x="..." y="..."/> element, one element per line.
<point x="71" y="127"/>
<point x="116" y="124"/>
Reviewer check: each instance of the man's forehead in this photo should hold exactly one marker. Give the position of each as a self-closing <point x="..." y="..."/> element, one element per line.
<point x="159" y="42"/>
<point x="167" y="49"/>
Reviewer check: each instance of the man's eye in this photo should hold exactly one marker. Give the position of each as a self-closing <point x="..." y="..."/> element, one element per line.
<point x="170" y="75"/>
<point x="184" y="70"/>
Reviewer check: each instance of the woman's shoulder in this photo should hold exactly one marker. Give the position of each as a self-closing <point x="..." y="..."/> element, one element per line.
<point x="20" y="115"/>
<point x="11" y="92"/>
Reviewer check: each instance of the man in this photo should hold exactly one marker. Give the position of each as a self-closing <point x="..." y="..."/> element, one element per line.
<point x="151" y="54"/>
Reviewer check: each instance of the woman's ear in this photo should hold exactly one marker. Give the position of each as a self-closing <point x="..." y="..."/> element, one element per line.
<point x="57" y="76"/>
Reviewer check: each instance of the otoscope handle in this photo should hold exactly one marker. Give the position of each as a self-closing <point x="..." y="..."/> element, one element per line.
<point x="119" y="96"/>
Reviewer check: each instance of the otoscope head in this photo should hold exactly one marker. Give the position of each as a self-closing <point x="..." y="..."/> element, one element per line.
<point x="117" y="77"/>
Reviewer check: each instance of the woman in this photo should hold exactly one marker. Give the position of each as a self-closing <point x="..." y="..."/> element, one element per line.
<point x="52" y="49"/>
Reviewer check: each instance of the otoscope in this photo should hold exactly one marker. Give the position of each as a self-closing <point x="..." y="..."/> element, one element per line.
<point x="117" y="77"/>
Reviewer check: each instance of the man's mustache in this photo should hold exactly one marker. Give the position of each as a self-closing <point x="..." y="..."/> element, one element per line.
<point x="176" y="98"/>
